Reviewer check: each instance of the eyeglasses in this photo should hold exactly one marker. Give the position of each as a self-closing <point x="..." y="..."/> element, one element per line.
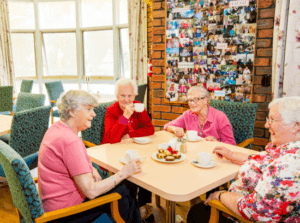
<point x="270" y="121"/>
<point x="195" y="100"/>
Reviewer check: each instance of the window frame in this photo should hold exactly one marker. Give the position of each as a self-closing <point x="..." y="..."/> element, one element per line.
<point x="79" y="31"/>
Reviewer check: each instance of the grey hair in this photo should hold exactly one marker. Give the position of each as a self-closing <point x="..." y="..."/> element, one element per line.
<point x="72" y="100"/>
<point x="289" y="108"/>
<point x="123" y="82"/>
<point x="199" y="89"/>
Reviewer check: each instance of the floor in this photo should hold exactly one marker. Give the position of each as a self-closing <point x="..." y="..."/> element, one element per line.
<point x="160" y="212"/>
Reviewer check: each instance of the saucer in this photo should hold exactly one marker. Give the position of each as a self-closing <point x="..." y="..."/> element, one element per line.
<point x="122" y="160"/>
<point x="211" y="165"/>
<point x="194" y="140"/>
<point x="142" y="140"/>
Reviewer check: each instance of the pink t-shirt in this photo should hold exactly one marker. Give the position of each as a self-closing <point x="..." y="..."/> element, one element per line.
<point x="62" y="156"/>
<point x="216" y="124"/>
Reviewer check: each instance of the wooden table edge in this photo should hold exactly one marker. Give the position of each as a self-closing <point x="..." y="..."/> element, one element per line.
<point x="164" y="194"/>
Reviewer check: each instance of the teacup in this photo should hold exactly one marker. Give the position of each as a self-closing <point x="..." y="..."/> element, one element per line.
<point x="131" y="155"/>
<point x="139" y="107"/>
<point x="191" y="134"/>
<point x="204" y="159"/>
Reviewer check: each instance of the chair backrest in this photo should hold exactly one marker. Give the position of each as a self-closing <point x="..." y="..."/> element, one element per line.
<point x="26" y="86"/>
<point x="54" y="90"/>
<point x="27" y="101"/>
<point x="95" y="133"/>
<point x="6" y="98"/>
<point x="241" y="116"/>
<point x="23" y="190"/>
<point x="141" y="93"/>
<point x="28" y="129"/>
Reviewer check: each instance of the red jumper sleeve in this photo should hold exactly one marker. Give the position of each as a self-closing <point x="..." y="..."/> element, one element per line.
<point x="146" y="127"/>
<point x="115" y="127"/>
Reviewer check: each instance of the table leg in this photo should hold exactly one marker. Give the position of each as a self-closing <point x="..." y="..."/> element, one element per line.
<point x="170" y="211"/>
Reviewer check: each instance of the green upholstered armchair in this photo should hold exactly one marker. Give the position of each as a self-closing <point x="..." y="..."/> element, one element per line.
<point x="26" y="86"/>
<point x="27" y="132"/>
<point x="93" y="136"/>
<point x="26" y="198"/>
<point x="6" y="100"/>
<point x="54" y="90"/>
<point x="26" y="101"/>
<point x="242" y="119"/>
<point x="141" y="93"/>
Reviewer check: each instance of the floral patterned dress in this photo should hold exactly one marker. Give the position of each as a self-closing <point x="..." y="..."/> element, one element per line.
<point x="270" y="183"/>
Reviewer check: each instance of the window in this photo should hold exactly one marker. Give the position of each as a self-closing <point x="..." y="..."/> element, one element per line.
<point x="70" y="40"/>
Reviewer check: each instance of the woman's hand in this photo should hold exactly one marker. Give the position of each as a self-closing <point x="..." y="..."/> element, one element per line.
<point x="132" y="167"/>
<point x="179" y="132"/>
<point x="213" y="196"/>
<point x="96" y="175"/>
<point x="128" y="111"/>
<point x="125" y="137"/>
<point x="211" y="138"/>
<point x="222" y="151"/>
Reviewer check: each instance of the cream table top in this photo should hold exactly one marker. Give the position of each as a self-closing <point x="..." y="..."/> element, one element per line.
<point x="5" y="124"/>
<point x="175" y="182"/>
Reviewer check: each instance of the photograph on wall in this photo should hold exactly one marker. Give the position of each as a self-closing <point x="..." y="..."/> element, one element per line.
<point x="210" y="43"/>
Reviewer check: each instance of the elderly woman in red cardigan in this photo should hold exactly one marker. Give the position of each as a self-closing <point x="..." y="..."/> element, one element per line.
<point x="123" y="122"/>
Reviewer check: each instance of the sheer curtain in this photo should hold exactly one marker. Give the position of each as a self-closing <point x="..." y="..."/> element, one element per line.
<point x="7" y="76"/>
<point x="286" y="49"/>
<point x="137" y="21"/>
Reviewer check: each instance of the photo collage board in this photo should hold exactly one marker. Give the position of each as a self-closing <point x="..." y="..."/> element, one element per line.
<point x="210" y="43"/>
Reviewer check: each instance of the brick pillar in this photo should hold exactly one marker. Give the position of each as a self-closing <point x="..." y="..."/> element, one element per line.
<point x="263" y="65"/>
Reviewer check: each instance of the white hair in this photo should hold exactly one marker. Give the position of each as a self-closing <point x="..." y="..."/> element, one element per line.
<point x="199" y="89"/>
<point x="72" y="100"/>
<point x="289" y="108"/>
<point x="123" y="82"/>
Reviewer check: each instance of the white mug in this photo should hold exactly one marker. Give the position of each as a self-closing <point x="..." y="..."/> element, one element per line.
<point x="139" y="107"/>
<point x="204" y="159"/>
<point x="191" y="134"/>
<point x="131" y="155"/>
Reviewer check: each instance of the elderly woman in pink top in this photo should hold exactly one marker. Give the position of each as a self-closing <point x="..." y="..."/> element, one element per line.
<point x="66" y="174"/>
<point x="210" y="123"/>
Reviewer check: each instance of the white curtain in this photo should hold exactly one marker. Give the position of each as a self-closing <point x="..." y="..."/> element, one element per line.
<point x="7" y="75"/>
<point x="286" y="49"/>
<point x="137" y="21"/>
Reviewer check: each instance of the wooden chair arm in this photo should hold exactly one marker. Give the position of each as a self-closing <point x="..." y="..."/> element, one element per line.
<point x="35" y="180"/>
<point x="246" y="142"/>
<point x="89" y="144"/>
<point x="217" y="206"/>
<point x="49" y="216"/>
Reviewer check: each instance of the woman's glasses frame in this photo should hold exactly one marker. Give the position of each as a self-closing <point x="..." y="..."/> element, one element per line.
<point x="194" y="100"/>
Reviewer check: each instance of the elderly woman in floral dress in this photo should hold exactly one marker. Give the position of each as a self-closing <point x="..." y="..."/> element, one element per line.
<point x="267" y="186"/>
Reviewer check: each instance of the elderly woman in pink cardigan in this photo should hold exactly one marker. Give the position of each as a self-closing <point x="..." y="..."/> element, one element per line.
<point x="210" y="123"/>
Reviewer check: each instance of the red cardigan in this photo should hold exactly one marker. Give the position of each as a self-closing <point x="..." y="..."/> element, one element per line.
<point x="116" y="125"/>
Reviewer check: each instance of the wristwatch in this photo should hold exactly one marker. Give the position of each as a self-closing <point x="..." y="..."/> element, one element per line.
<point x="222" y="192"/>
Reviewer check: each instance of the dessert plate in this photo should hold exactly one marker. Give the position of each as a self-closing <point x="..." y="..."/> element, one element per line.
<point x="142" y="140"/>
<point x="211" y="165"/>
<point x="122" y="160"/>
<point x="154" y="156"/>
<point x="194" y="140"/>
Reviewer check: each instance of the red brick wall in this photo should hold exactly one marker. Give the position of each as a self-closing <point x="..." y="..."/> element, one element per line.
<point x="162" y="112"/>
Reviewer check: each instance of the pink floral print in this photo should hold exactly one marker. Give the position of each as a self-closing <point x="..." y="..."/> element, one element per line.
<point x="270" y="183"/>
